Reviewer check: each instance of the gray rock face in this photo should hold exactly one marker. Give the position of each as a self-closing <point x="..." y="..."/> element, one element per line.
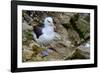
<point x="27" y="54"/>
<point x="25" y="26"/>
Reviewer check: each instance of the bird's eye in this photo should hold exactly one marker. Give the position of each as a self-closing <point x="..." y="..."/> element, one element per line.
<point x="48" y="21"/>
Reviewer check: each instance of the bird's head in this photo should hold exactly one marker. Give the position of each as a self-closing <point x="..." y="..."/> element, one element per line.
<point x="49" y="22"/>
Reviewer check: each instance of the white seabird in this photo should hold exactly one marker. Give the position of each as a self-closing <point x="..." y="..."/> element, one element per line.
<point x="45" y="34"/>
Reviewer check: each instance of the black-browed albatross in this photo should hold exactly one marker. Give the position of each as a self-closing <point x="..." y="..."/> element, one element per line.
<point x="44" y="34"/>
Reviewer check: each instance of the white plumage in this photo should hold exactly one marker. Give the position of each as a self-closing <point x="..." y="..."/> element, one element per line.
<point x="48" y="33"/>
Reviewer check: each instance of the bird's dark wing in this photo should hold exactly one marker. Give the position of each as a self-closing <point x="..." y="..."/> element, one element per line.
<point x="38" y="31"/>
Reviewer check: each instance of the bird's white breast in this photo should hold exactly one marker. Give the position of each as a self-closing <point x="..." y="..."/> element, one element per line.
<point x="48" y="30"/>
<point x="47" y="36"/>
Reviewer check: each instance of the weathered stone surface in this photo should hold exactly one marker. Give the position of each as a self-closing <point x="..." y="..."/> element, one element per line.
<point x="27" y="54"/>
<point x="26" y="27"/>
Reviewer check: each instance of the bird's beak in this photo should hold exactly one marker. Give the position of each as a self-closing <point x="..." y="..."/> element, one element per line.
<point x="53" y="25"/>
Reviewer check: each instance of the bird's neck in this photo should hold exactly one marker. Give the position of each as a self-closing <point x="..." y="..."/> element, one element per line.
<point x="46" y="25"/>
<point x="48" y="29"/>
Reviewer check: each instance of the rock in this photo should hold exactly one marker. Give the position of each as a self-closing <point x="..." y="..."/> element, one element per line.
<point x="62" y="50"/>
<point x="77" y="54"/>
<point x="32" y="43"/>
<point x="54" y="56"/>
<point x="24" y="39"/>
<point x="73" y="36"/>
<point x="37" y="49"/>
<point x="80" y="53"/>
<point x="26" y="17"/>
<point x="39" y="57"/>
<point x="27" y="54"/>
<point x="84" y="47"/>
<point x="67" y="43"/>
<point x="26" y="27"/>
<point x="26" y="47"/>
<point x="27" y="37"/>
<point x="36" y="58"/>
